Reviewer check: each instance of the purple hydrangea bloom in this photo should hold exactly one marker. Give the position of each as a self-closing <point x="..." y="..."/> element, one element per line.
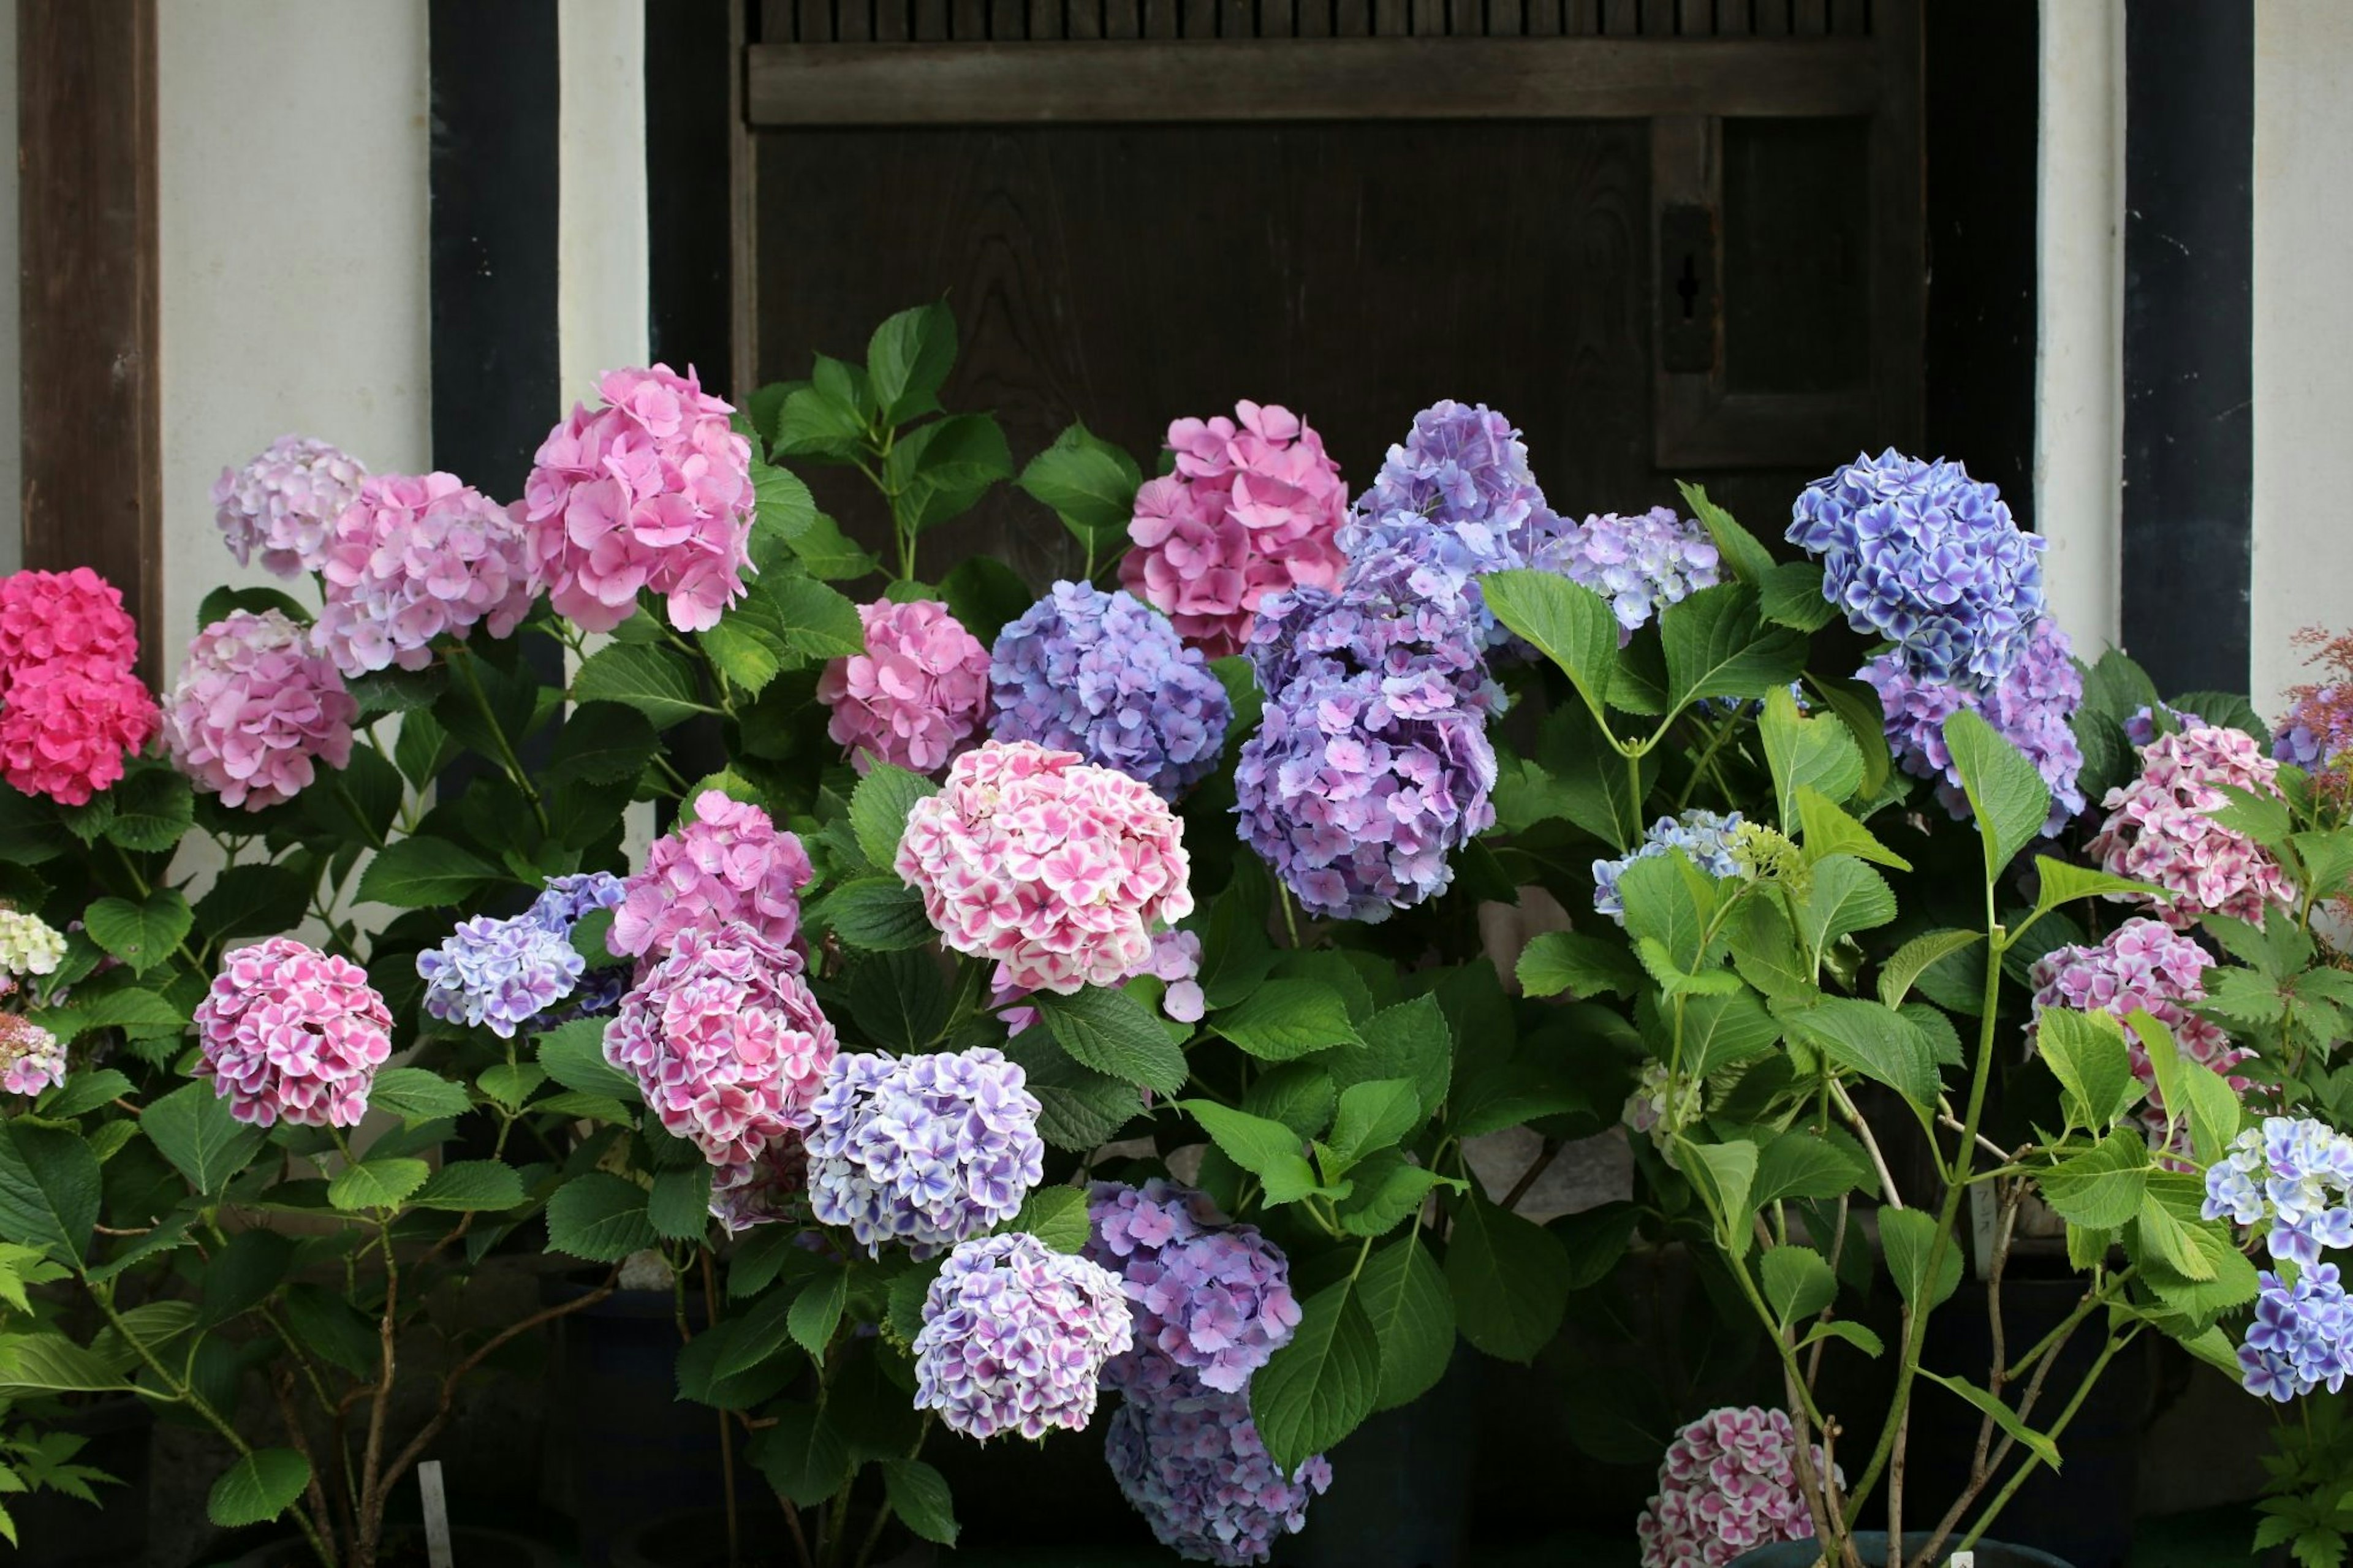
<point x="1704" y="836"/>
<point x="498" y="974"/>
<point x="559" y="909"/>
<point x="1355" y="790"/>
<point x="1640" y="564"/>
<point x="1104" y="675"/>
<point x="924" y="1149"/>
<point x="1211" y="1300"/>
<point x="1014" y="1336"/>
<point x="2030" y="708"/>
<point x="2316" y="732"/>
<point x="1927" y="557"/>
<point x="2295" y="1173"/>
<point x="1388" y="617"/>
<point x="2141" y="728"/>
<point x="1198" y="1471"/>
<point x="2302" y="1336"/>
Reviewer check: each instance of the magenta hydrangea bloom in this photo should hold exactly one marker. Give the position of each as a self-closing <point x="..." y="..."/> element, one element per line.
<point x="255" y="711"/>
<point x="728" y="1047"/>
<point x="1014" y="1336"/>
<point x="414" y="558"/>
<point x="1640" y="564"/>
<point x="728" y="864"/>
<point x="1196" y="1469"/>
<point x="282" y="504"/>
<point x="1211" y="1300"/>
<point x="923" y="1149"/>
<point x="1059" y="870"/>
<point x="290" y="1034"/>
<point x="1728" y="1485"/>
<point x="68" y="724"/>
<point x="2142" y="966"/>
<point x="916" y="697"/>
<point x="2158" y="829"/>
<point x="72" y="617"/>
<point x="651" y="490"/>
<point x="2029" y="707"/>
<point x="31" y="1058"/>
<point x="1252" y="509"/>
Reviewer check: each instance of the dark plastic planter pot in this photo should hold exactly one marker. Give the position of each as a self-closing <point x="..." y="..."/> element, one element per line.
<point x="1873" y="1546"/>
<point x="698" y="1538"/>
<point x="469" y="1548"/>
<point x="59" y="1532"/>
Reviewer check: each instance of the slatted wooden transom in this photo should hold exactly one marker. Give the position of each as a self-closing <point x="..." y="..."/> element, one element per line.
<point x="1040" y="21"/>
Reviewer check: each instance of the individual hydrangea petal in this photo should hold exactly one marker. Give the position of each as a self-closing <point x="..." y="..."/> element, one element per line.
<point x="1014" y="1336"/>
<point x="651" y="490"/>
<point x="290" y="1034"/>
<point x="74" y="618"/>
<point x="283" y="503"/>
<point x="1391" y="617"/>
<point x="1194" y="1467"/>
<point x="928" y="1151"/>
<point x="414" y="558"/>
<point x="1728" y="1485"/>
<point x="1711" y="841"/>
<point x="1640" y="564"/>
<point x="2029" y="707"/>
<point x="2301" y="1335"/>
<point x="2294" y="1177"/>
<point x="28" y="944"/>
<point x="498" y="974"/>
<point x="68" y="724"/>
<point x="1211" y="1300"/>
<point x="917" y="694"/>
<point x="31" y="1058"/>
<point x="255" y="709"/>
<point x="1920" y="554"/>
<point x="2158" y="829"/>
<point x="1251" y="508"/>
<point x="1061" y="871"/>
<point x="1104" y="676"/>
<point x="729" y="863"/>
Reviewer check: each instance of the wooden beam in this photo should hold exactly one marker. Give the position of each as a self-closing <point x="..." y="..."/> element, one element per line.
<point x="87" y="237"/>
<point x="1282" y="79"/>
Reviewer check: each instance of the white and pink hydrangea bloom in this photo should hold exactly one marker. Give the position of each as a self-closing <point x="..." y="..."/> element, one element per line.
<point x="1015" y="1338"/>
<point x="651" y="490"/>
<point x="31" y="1058"/>
<point x="255" y="709"/>
<point x="2158" y="830"/>
<point x="282" y="504"/>
<point x="413" y="558"/>
<point x="290" y="1034"/>
<point x="1728" y="1484"/>
<point x="916" y="697"/>
<point x="728" y="864"/>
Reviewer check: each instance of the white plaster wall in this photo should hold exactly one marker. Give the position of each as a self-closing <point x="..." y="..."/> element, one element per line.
<point x="601" y="290"/>
<point x="2304" y="333"/>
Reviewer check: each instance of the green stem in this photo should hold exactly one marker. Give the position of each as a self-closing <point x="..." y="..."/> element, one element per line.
<point x="1715" y="742"/>
<point x="463" y="663"/>
<point x="2027" y="1467"/>
<point x="883" y="1516"/>
<point x="1290" y="920"/>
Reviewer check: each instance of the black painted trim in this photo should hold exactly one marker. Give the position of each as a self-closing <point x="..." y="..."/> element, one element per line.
<point x="686" y="208"/>
<point x="2188" y="337"/>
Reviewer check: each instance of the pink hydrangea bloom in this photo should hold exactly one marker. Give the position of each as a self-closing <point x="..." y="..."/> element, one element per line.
<point x="68" y="726"/>
<point x="254" y="708"/>
<point x="2142" y="966"/>
<point x="729" y="864"/>
<point x="31" y="1058"/>
<point x="1060" y="870"/>
<point x="651" y="490"/>
<point x="292" y="1034"/>
<point x="415" y="557"/>
<point x="915" y="696"/>
<point x="1728" y="1484"/>
<point x="284" y="502"/>
<point x="74" y="617"/>
<point x="1174" y="961"/>
<point x="729" y="1049"/>
<point x="1252" y="509"/>
<point x="2158" y="830"/>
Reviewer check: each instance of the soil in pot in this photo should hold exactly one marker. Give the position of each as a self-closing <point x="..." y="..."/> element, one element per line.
<point x="59" y="1532"/>
<point x="697" y="1538"/>
<point x="470" y="1547"/>
<point x="1873" y="1546"/>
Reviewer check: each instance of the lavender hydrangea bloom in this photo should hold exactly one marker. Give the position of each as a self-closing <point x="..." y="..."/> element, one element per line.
<point x="2030" y="708"/>
<point x="924" y="1149"/>
<point x="1388" y="617"/>
<point x="2302" y="1336"/>
<point x="1014" y="1336"/>
<point x="1105" y="676"/>
<point x="2316" y="732"/>
<point x="2295" y="1173"/>
<point x="1355" y="790"/>
<point x="1705" y="835"/>
<point x="1927" y="557"/>
<point x="1640" y="564"/>
<point x="498" y="974"/>
<point x="1198" y="1471"/>
<point x="559" y="909"/>
<point x="1211" y="1300"/>
<point x="2141" y="728"/>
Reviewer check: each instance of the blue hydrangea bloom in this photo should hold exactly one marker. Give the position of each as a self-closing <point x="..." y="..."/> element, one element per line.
<point x="2031" y="707"/>
<point x="923" y="1149"/>
<point x="1388" y="617"/>
<point x="1927" y="557"/>
<point x="1704" y="836"/>
<point x="1106" y="676"/>
<point x="560" y="908"/>
<point x="1640" y="564"/>
<point x="2301" y="1337"/>
<point x="2141" y="728"/>
<point x="2297" y="1174"/>
<point x="498" y="974"/>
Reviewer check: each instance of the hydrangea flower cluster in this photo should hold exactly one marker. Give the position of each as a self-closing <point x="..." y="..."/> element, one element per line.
<point x="1728" y="1485"/>
<point x="1211" y="1300"/>
<point x="2296" y="1173"/>
<point x="2301" y="1336"/>
<point x="31" y="1058"/>
<point x="728" y="864"/>
<point x="923" y="1149"/>
<point x="284" y="502"/>
<point x="1921" y="554"/>
<point x="2142" y="966"/>
<point x="498" y="974"/>
<point x="255" y="709"/>
<point x="2141" y="728"/>
<point x="290" y="1034"/>
<point x="74" y="619"/>
<point x="68" y="724"/>
<point x="728" y="1047"/>
<point x="1061" y="871"/>
<point x="1174" y="962"/>
<point x="1104" y="676"/>
<point x="2029" y="707"/>
<point x="1708" y="838"/>
<point x="559" y="908"/>
<point x="651" y="490"/>
<point x="1199" y="1472"/>
<point x="28" y="944"/>
<point x="917" y="694"/>
<point x="1389" y="617"/>
<point x="1357" y="789"/>
<point x="1640" y="564"/>
<point x="2318" y="733"/>
<point x="2158" y="829"/>
<point x="415" y="557"/>
<point x="1252" y="509"/>
<point x="1014" y="1336"/>
<point x="1652" y="1112"/>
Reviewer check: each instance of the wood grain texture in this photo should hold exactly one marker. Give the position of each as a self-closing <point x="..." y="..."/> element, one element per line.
<point x="86" y="237"/>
